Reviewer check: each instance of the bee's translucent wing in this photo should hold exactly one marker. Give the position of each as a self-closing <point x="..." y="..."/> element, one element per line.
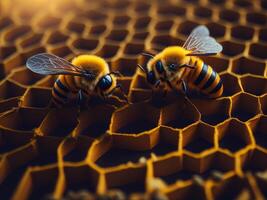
<point x="199" y="42"/>
<point x="48" y="64"/>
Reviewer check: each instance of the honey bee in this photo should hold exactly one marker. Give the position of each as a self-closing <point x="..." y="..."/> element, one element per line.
<point x="175" y="66"/>
<point x="86" y="75"/>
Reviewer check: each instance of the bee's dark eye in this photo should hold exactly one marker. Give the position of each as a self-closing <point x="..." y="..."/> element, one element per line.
<point x="172" y="67"/>
<point x="105" y="82"/>
<point x="151" y="77"/>
<point x="159" y="67"/>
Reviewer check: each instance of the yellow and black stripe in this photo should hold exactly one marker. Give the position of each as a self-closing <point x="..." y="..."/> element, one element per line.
<point x="207" y="80"/>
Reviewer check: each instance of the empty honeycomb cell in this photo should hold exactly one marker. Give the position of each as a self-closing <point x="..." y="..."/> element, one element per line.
<point x="12" y="62"/>
<point x="256" y="18"/>
<point x="134" y="119"/>
<point x="164" y="25"/>
<point x="75" y="27"/>
<point x="117" y="35"/>
<point x="232" y="188"/>
<point x="15" y="32"/>
<point x="217" y="63"/>
<point x="259" y="127"/>
<point x="116" y="5"/>
<point x="254" y="160"/>
<point x="216" y="30"/>
<point x="95" y="121"/>
<point x="179" y="114"/>
<point x="56" y="37"/>
<point x="8" y="104"/>
<point x="231" y="48"/>
<point x="97" y="29"/>
<point x="47" y="21"/>
<point x="126" y="66"/>
<point x="6" y="51"/>
<point x="233" y="135"/>
<point x="140" y="36"/>
<point x="139" y="95"/>
<point x="242" y="32"/>
<point x="62" y="51"/>
<point x="258" y="50"/>
<point x="243" y="3"/>
<point x="36" y="97"/>
<point x="5" y="22"/>
<point x="47" y="82"/>
<point x="108" y="51"/>
<point x="254" y="85"/>
<point x="142" y="7"/>
<point x="244" y="65"/>
<point x="229" y="15"/>
<point x="164" y="40"/>
<point x="134" y="48"/>
<point x="59" y="122"/>
<point x="130" y="180"/>
<point x="31" y="40"/>
<point x="175" y="10"/>
<point x="24" y="76"/>
<point x="217" y="112"/>
<point x="95" y="16"/>
<point x="83" y="44"/>
<point x="23" y="119"/>
<point x="245" y="106"/>
<point x="263" y="102"/>
<point x="198" y="138"/>
<point x="202" y="12"/>
<point x="81" y="177"/>
<point x="263" y="35"/>
<point x="9" y="89"/>
<point x="121" y="20"/>
<point x="186" y="27"/>
<point x="141" y="22"/>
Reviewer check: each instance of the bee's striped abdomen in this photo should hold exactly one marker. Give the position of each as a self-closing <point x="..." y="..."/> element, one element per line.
<point x="63" y="87"/>
<point x="207" y="80"/>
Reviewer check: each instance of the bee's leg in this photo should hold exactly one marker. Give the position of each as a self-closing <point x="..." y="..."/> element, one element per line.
<point x="184" y="87"/>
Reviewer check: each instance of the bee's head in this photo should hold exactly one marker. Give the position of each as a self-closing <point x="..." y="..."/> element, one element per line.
<point x="107" y="85"/>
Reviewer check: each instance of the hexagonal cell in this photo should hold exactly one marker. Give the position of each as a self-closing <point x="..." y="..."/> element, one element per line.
<point x="80" y="177"/>
<point x="108" y="51"/>
<point x="36" y="97"/>
<point x="256" y="18"/>
<point x="31" y="40"/>
<point x="15" y="32"/>
<point x="85" y="44"/>
<point x="134" y="48"/>
<point x="229" y="15"/>
<point x="243" y="3"/>
<point x="202" y="12"/>
<point x="242" y="32"/>
<point x="164" y="40"/>
<point x="164" y="25"/>
<point x="94" y="122"/>
<point x="263" y="102"/>
<point x="97" y="29"/>
<point x="140" y="36"/>
<point x="246" y="65"/>
<point x="47" y="82"/>
<point x="171" y="10"/>
<point x="12" y="62"/>
<point x="75" y="26"/>
<point x="9" y="89"/>
<point x="254" y="159"/>
<point x="232" y="188"/>
<point x="48" y="21"/>
<point x="263" y="34"/>
<point x="217" y="63"/>
<point x="5" y="22"/>
<point x="128" y="180"/>
<point x="186" y="27"/>
<point x="142" y="7"/>
<point x="254" y="84"/>
<point x="116" y="5"/>
<point x="141" y="22"/>
<point x="24" y="76"/>
<point x="6" y="51"/>
<point x="126" y="66"/>
<point x="198" y="138"/>
<point x="121" y="20"/>
<point x="180" y="114"/>
<point x="259" y="127"/>
<point x="61" y="51"/>
<point x="57" y="37"/>
<point x="217" y="111"/>
<point x="258" y="50"/>
<point x="134" y="119"/>
<point x="59" y="122"/>
<point x="131" y="150"/>
<point x="232" y="48"/>
<point x="244" y="106"/>
<point x="9" y="104"/>
<point x="216" y="30"/>
<point x="117" y="35"/>
<point x="23" y="119"/>
<point x="233" y="135"/>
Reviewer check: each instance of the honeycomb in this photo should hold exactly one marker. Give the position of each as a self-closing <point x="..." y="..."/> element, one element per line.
<point x="194" y="148"/>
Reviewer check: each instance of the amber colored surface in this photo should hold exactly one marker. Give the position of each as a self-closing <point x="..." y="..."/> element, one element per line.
<point x="52" y="151"/>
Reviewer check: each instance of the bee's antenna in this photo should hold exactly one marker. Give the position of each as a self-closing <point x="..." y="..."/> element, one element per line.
<point x="188" y="66"/>
<point x="142" y="68"/>
<point x="147" y="54"/>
